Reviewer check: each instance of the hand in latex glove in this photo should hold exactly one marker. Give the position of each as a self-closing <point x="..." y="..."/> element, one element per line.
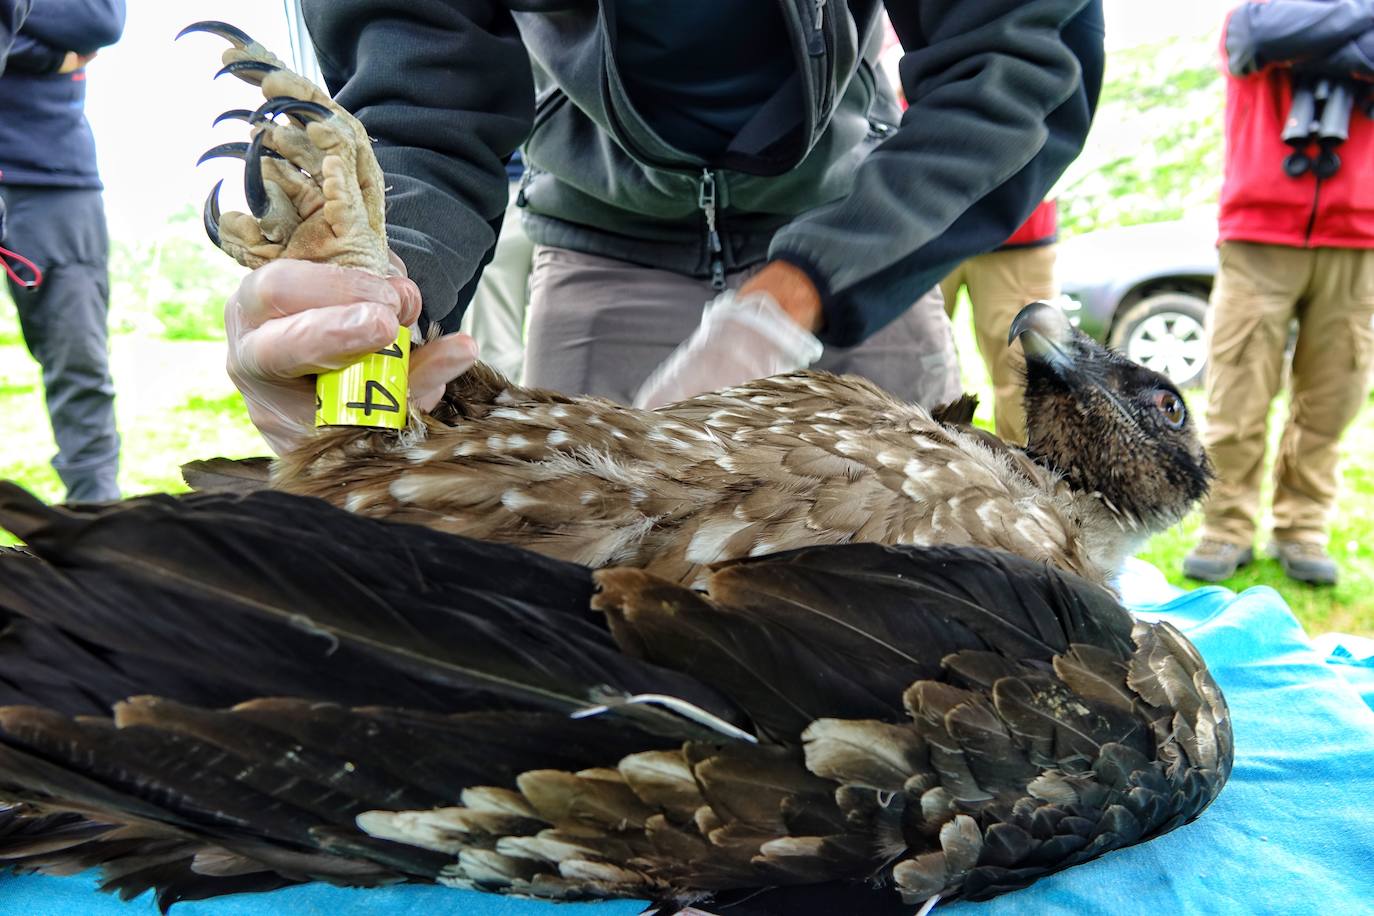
<point x="290" y="320"/>
<point x="740" y="338"/>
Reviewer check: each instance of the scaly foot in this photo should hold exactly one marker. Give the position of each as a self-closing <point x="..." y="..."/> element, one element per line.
<point x="313" y="185"/>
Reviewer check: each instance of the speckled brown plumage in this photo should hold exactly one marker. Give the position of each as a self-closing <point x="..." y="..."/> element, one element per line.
<point x="797" y="460"/>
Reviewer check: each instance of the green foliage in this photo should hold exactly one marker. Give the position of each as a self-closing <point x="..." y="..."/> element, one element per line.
<point x="172" y="285"/>
<point x="1349" y="606"/>
<point x="173" y="402"/>
<point x="1155" y="151"/>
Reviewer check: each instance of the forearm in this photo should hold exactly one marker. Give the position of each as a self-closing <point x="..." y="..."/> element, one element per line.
<point x="12" y="15"/>
<point x="83" y="26"/>
<point x="1286" y="32"/>
<point x="445" y="90"/>
<point x="29" y="55"/>
<point x="1002" y="95"/>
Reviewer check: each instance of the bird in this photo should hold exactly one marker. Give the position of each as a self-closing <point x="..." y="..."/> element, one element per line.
<point x="794" y="460"/>
<point x="221" y="693"/>
<point x="793" y="647"/>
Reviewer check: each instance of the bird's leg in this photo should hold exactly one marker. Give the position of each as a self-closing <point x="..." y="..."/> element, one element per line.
<point x="313" y="185"/>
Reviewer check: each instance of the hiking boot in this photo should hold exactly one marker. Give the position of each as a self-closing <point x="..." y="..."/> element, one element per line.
<point x="1212" y="560"/>
<point x="1305" y="561"/>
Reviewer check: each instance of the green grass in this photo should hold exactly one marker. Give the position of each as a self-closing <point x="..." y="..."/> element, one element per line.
<point x="173" y="403"/>
<point x="1349" y="606"/>
<point x="1155" y="151"/>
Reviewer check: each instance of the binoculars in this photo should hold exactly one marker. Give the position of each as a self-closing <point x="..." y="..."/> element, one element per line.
<point x="1319" y="115"/>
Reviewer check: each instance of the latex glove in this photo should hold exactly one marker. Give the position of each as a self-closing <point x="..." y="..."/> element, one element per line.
<point x="740" y="338"/>
<point x="290" y="320"/>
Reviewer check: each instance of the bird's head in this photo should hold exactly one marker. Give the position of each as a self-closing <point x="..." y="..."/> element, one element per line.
<point x="1108" y="425"/>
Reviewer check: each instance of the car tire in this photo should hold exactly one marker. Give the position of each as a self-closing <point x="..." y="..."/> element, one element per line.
<point x="1164" y="332"/>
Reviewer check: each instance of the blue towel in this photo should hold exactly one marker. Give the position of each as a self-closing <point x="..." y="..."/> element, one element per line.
<point x="1352" y="657"/>
<point x="1292" y="833"/>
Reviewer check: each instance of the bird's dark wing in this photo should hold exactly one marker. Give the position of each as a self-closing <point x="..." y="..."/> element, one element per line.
<point x="274" y="595"/>
<point x="863" y="621"/>
<point x="229" y="475"/>
<point x="934" y="721"/>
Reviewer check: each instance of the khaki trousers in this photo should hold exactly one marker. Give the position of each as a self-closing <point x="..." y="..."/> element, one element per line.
<point x="1000" y="284"/>
<point x="599" y="326"/>
<point x="1259" y="289"/>
<point x="496" y="316"/>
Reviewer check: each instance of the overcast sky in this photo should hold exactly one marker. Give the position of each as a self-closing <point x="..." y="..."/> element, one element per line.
<point x="151" y="100"/>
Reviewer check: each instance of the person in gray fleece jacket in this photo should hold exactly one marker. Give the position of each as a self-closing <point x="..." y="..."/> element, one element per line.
<point x="748" y="154"/>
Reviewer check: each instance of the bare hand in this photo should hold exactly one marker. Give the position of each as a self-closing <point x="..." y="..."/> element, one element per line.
<point x="73" y="61"/>
<point x="791" y="289"/>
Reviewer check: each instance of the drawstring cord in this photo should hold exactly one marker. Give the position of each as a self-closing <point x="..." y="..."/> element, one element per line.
<point x="7" y="256"/>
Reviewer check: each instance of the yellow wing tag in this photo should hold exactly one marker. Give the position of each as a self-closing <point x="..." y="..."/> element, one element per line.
<point x="371" y="392"/>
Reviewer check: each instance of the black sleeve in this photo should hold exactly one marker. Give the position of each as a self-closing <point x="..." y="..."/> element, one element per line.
<point x="1354" y="58"/>
<point x="12" y="13"/>
<point x="1001" y="97"/>
<point x="1260" y="35"/>
<point x="82" y="26"/>
<point x="444" y="88"/>
<point x="29" y="55"/>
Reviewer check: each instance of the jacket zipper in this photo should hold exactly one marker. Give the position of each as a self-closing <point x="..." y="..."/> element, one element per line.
<point x="816" y="43"/>
<point x="521" y="200"/>
<point x="706" y="200"/>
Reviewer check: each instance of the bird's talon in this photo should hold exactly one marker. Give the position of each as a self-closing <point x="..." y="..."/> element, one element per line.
<point x="253" y="187"/>
<point x="290" y="218"/>
<point x="238" y="149"/>
<point x="237" y="37"/>
<point x="211" y="214"/>
<point x="250" y="71"/>
<point x="302" y="111"/>
<point x="234" y="114"/>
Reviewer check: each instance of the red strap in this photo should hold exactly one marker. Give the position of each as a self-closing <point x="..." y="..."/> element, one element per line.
<point x="6" y="256"/>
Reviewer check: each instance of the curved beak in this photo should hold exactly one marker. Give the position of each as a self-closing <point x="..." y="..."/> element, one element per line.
<point x="1045" y="335"/>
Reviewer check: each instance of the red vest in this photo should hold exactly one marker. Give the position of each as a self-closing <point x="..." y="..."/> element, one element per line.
<point x="1259" y="203"/>
<point x="1040" y="227"/>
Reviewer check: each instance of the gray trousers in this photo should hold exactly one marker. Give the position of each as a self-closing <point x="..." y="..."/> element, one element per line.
<point x="63" y="231"/>
<point x="599" y="326"/>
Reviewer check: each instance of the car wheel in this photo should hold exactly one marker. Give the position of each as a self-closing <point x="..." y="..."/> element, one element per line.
<point x="1164" y="332"/>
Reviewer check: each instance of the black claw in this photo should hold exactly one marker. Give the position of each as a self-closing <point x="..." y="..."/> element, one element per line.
<point x="234" y="114"/>
<point x="247" y="70"/>
<point x="253" y="187"/>
<point x="299" y="110"/>
<point x="236" y="150"/>
<point x="211" y="214"/>
<point x="303" y="111"/>
<point x="237" y="37"/>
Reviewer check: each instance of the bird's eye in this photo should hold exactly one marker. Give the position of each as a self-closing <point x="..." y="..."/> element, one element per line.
<point x="1171" y="406"/>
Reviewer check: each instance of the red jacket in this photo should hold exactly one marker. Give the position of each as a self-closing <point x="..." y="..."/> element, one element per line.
<point x="1259" y="202"/>
<point x="1040" y="228"/>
